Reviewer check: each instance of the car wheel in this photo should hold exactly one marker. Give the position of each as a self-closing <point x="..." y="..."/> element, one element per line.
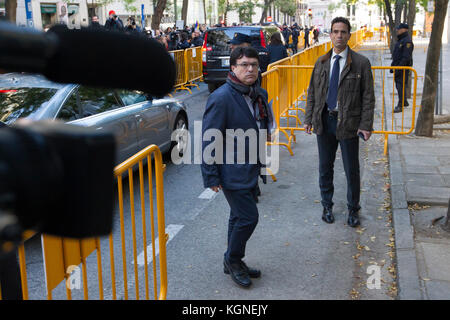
<point x="181" y="141"/>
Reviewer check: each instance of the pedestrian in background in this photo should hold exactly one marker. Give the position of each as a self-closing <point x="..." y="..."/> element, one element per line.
<point x="295" y="35"/>
<point x="340" y="106"/>
<point x="276" y="48"/>
<point x="286" y="34"/>
<point x="197" y="40"/>
<point x="306" y="37"/>
<point x="184" y="43"/>
<point x="402" y="56"/>
<point x="95" y="23"/>
<point x="113" y="22"/>
<point x="316" y="35"/>
<point x="240" y="104"/>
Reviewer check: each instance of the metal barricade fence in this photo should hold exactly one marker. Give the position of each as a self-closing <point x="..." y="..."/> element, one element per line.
<point x="388" y="120"/>
<point x="189" y="67"/>
<point x="180" y="67"/>
<point x="62" y="256"/>
<point x="193" y="66"/>
<point x="294" y="80"/>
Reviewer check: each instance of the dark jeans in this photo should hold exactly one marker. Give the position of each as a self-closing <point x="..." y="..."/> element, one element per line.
<point x="242" y="222"/>
<point x="399" y="85"/>
<point x="328" y="144"/>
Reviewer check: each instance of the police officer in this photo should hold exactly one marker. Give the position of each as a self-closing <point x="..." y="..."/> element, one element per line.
<point x="295" y="35"/>
<point x="402" y="56"/>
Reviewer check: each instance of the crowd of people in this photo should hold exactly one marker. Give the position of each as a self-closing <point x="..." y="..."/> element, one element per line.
<point x="294" y="31"/>
<point x="192" y="36"/>
<point x="171" y="38"/>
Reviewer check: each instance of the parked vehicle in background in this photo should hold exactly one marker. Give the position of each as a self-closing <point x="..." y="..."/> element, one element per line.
<point x="136" y="119"/>
<point x="216" y="50"/>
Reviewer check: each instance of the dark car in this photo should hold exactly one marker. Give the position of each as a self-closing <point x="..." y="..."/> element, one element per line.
<point x="136" y="119"/>
<point x="216" y="50"/>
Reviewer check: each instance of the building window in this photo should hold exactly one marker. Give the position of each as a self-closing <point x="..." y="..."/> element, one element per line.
<point x="48" y="14"/>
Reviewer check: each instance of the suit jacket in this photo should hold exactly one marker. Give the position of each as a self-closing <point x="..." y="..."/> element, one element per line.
<point x="225" y="109"/>
<point x="356" y="96"/>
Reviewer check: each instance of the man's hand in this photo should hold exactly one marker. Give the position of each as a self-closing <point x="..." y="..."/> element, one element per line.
<point x="308" y="128"/>
<point x="216" y="188"/>
<point x="366" y="134"/>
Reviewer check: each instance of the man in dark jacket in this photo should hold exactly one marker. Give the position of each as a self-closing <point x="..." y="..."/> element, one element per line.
<point x="114" y="22"/>
<point x="197" y="40"/>
<point x="277" y="50"/>
<point x="286" y="33"/>
<point x="340" y="106"/>
<point x="306" y="37"/>
<point x="295" y="35"/>
<point x="402" y="56"/>
<point x="240" y="105"/>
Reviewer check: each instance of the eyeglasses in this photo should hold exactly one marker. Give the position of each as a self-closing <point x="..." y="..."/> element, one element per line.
<point x="246" y="65"/>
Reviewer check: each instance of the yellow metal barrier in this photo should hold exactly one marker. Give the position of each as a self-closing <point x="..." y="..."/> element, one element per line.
<point x="194" y="66"/>
<point x="189" y="67"/>
<point x="63" y="255"/>
<point x="290" y="86"/>
<point x="180" y="66"/>
<point x="390" y="127"/>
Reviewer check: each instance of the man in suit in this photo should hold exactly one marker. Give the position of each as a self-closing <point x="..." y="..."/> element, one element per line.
<point x="340" y="106"/>
<point x="240" y="104"/>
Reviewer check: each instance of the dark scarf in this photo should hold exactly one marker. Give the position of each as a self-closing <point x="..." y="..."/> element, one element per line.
<point x="260" y="106"/>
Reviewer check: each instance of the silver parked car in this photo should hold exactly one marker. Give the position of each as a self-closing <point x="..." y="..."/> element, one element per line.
<point x="136" y="119"/>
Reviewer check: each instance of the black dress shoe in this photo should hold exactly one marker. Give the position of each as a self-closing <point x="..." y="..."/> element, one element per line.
<point x="327" y="215"/>
<point x="238" y="274"/>
<point x="353" y="218"/>
<point x="253" y="273"/>
<point x="398" y="109"/>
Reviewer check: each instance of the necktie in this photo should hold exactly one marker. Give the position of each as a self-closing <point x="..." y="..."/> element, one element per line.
<point x="334" y="82"/>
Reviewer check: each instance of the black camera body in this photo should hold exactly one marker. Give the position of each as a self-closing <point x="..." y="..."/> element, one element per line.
<point x="57" y="178"/>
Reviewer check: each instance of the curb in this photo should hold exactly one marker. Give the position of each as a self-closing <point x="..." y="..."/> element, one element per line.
<point x="407" y="271"/>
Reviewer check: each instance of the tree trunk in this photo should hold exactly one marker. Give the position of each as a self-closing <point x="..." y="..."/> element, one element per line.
<point x="158" y="13"/>
<point x="410" y="20"/>
<point x="391" y="24"/>
<point x="11" y="9"/>
<point x="184" y="11"/>
<point x="267" y="4"/>
<point x="447" y="220"/>
<point x="426" y="115"/>
<point x="204" y="9"/>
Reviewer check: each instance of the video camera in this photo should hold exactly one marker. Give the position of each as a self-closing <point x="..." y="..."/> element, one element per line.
<point x="57" y="178"/>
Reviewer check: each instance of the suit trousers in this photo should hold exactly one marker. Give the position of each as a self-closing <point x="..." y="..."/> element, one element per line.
<point x="242" y="222"/>
<point x="399" y="86"/>
<point x="327" y="144"/>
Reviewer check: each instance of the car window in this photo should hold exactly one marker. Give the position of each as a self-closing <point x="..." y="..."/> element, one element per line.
<point x="130" y="97"/>
<point x="96" y="100"/>
<point x="71" y="109"/>
<point x="17" y="103"/>
<point x="219" y="39"/>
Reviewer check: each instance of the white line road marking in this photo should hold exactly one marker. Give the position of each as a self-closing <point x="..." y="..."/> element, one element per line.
<point x="208" y="194"/>
<point x="171" y="230"/>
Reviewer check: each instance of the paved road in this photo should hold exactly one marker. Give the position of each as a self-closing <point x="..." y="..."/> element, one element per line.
<point x="300" y="256"/>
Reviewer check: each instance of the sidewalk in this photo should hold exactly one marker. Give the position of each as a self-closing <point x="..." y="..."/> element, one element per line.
<point x="420" y="188"/>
